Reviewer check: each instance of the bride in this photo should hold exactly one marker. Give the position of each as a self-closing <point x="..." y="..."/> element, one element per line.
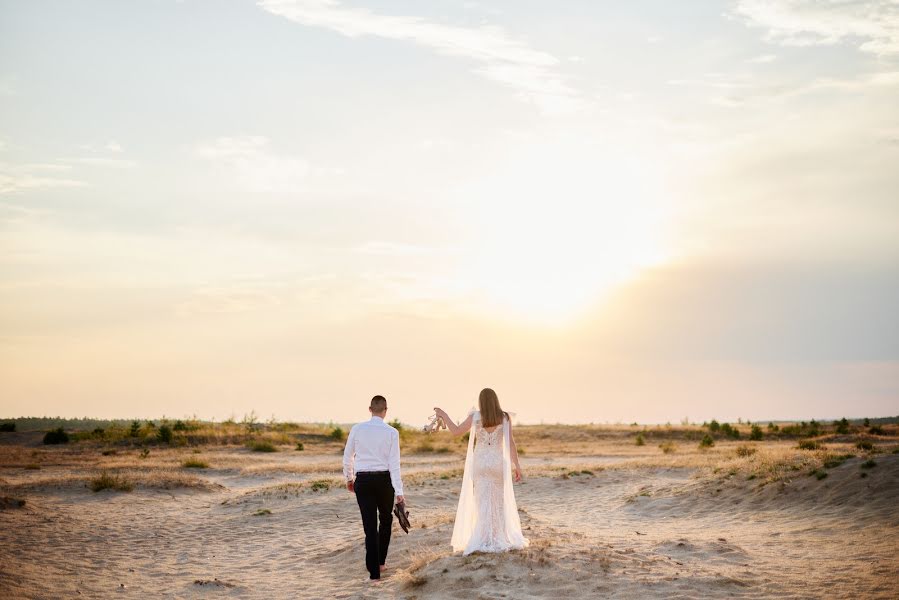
<point x="487" y="516"/>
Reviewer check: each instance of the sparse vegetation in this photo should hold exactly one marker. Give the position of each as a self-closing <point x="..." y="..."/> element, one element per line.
<point x="8" y="427"/>
<point x="337" y="434"/>
<point x="639" y="440"/>
<point x="300" y="446"/>
<point x="744" y="450"/>
<point x="195" y="463"/>
<point x="320" y="485"/>
<point x="866" y="445"/>
<point x="706" y="442"/>
<point x="261" y="446"/>
<point x="56" y="436"/>
<point x="875" y="430"/>
<point x="809" y="445"/>
<point x="668" y="447"/>
<point x="262" y="512"/>
<point x="869" y="464"/>
<point x="835" y="460"/>
<point x="105" y="481"/>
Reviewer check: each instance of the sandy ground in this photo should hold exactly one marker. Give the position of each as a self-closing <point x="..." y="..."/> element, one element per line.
<point x="619" y="522"/>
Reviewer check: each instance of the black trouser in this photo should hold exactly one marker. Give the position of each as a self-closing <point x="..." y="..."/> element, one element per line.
<point x="374" y="493"/>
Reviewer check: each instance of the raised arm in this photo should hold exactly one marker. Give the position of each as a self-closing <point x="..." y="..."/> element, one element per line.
<point x="454" y="429"/>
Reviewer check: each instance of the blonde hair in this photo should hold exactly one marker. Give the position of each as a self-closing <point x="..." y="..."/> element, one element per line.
<point x="491" y="413"/>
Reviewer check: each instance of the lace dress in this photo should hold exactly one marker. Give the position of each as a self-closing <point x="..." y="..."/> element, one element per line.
<point x="487" y="516"/>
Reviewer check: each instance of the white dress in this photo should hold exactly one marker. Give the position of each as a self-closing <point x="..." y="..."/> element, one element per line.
<point x="487" y="517"/>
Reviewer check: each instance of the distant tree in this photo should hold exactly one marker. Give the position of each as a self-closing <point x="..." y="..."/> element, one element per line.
<point x="842" y="426"/>
<point x="135" y="429"/>
<point x="707" y="441"/>
<point x="165" y="433"/>
<point x="867" y="422"/>
<point x="8" y="427"/>
<point x="714" y="426"/>
<point x="756" y="433"/>
<point x="337" y="433"/>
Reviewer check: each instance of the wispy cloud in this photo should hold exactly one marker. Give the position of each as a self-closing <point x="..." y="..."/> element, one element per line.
<point x="872" y="24"/>
<point x="257" y="168"/>
<point x="764" y="58"/>
<point x="21" y="178"/>
<point x="498" y="56"/>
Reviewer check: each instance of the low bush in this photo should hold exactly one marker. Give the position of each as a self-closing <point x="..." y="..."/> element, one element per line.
<point x="195" y="463"/>
<point x="56" y="436"/>
<point x="337" y="434"/>
<point x="8" y="427"/>
<point x="864" y="445"/>
<point x="668" y="447"/>
<point x="744" y="450"/>
<point x="756" y="433"/>
<point x="164" y="434"/>
<point x="706" y="442"/>
<point x="105" y="481"/>
<point x="868" y="464"/>
<point x="261" y="446"/>
<point x="809" y="445"/>
<point x="300" y="446"/>
<point x="639" y="440"/>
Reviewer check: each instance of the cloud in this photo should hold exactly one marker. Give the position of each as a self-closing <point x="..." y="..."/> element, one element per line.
<point x="256" y="167"/>
<point x="498" y="56"/>
<point x="764" y="58"/>
<point x="20" y="178"/>
<point x="93" y="161"/>
<point x="872" y="24"/>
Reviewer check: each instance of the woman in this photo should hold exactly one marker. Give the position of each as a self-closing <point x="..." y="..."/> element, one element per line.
<point x="487" y="516"/>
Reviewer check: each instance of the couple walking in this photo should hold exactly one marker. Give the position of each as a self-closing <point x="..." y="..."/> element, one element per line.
<point x="487" y="515"/>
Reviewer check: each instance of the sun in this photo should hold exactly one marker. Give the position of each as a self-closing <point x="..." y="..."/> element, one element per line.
<point x="559" y="227"/>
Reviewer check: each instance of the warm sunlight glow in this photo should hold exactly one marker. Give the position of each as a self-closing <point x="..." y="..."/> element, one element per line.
<point x="560" y="226"/>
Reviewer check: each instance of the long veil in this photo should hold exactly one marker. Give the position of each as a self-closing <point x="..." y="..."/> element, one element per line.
<point x="467" y="512"/>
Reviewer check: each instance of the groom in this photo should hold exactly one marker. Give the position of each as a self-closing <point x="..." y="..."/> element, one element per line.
<point x="374" y="446"/>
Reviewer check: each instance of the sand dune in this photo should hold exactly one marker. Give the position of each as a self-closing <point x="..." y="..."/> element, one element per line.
<point x="632" y="523"/>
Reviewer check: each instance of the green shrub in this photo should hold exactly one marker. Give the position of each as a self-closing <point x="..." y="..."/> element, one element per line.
<point x="875" y="430"/>
<point x="707" y="441"/>
<point x="668" y="447"/>
<point x="261" y="446"/>
<point x="809" y="445"/>
<point x="195" y="463"/>
<point x="105" y="481"/>
<point x="730" y="431"/>
<point x="337" y="433"/>
<point x="300" y="446"/>
<point x="165" y="434"/>
<point x="864" y="445"/>
<point x="639" y="440"/>
<point x="9" y="426"/>
<point x="135" y="429"/>
<point x="868" y="464"/>
<point x="56" y="436"/>
<point x="262" y="512"/>
<point x="397" y="425"/>
<point x="773" y="427"/>
<point x="714" y="426"/>
<point x="841" y="426"/>
<point x="320" y="485"/>
<point x="756" y="433"/>
<point x="867" y="422"/>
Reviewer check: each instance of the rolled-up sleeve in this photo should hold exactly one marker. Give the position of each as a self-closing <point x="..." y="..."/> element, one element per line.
<point x="349" y="454"/>
<point x="394" y="464"/>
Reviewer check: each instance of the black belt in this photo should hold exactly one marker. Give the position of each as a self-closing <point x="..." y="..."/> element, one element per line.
<point x="373" y="473"/>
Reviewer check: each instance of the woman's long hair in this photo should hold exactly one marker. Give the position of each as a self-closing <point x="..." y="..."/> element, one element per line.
<point x="491" y="413"/>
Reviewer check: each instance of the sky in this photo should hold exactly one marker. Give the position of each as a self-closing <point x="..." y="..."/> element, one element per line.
<point x="606" y="211"/>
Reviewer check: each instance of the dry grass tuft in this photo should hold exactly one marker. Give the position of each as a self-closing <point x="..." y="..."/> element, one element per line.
<point x="105" y="481"/>
<point x="195" y="463"/>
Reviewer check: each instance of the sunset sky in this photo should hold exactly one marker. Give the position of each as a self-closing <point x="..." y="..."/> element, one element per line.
<point x="606" y="211"/>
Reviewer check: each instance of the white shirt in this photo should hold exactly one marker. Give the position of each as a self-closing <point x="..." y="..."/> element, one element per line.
<point x="374" y="446"/>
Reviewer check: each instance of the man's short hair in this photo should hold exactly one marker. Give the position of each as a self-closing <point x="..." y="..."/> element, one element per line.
<point x="378" y="403"/>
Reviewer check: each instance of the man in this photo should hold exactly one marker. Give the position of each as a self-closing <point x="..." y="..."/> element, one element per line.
<point x="374" y="447"/>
